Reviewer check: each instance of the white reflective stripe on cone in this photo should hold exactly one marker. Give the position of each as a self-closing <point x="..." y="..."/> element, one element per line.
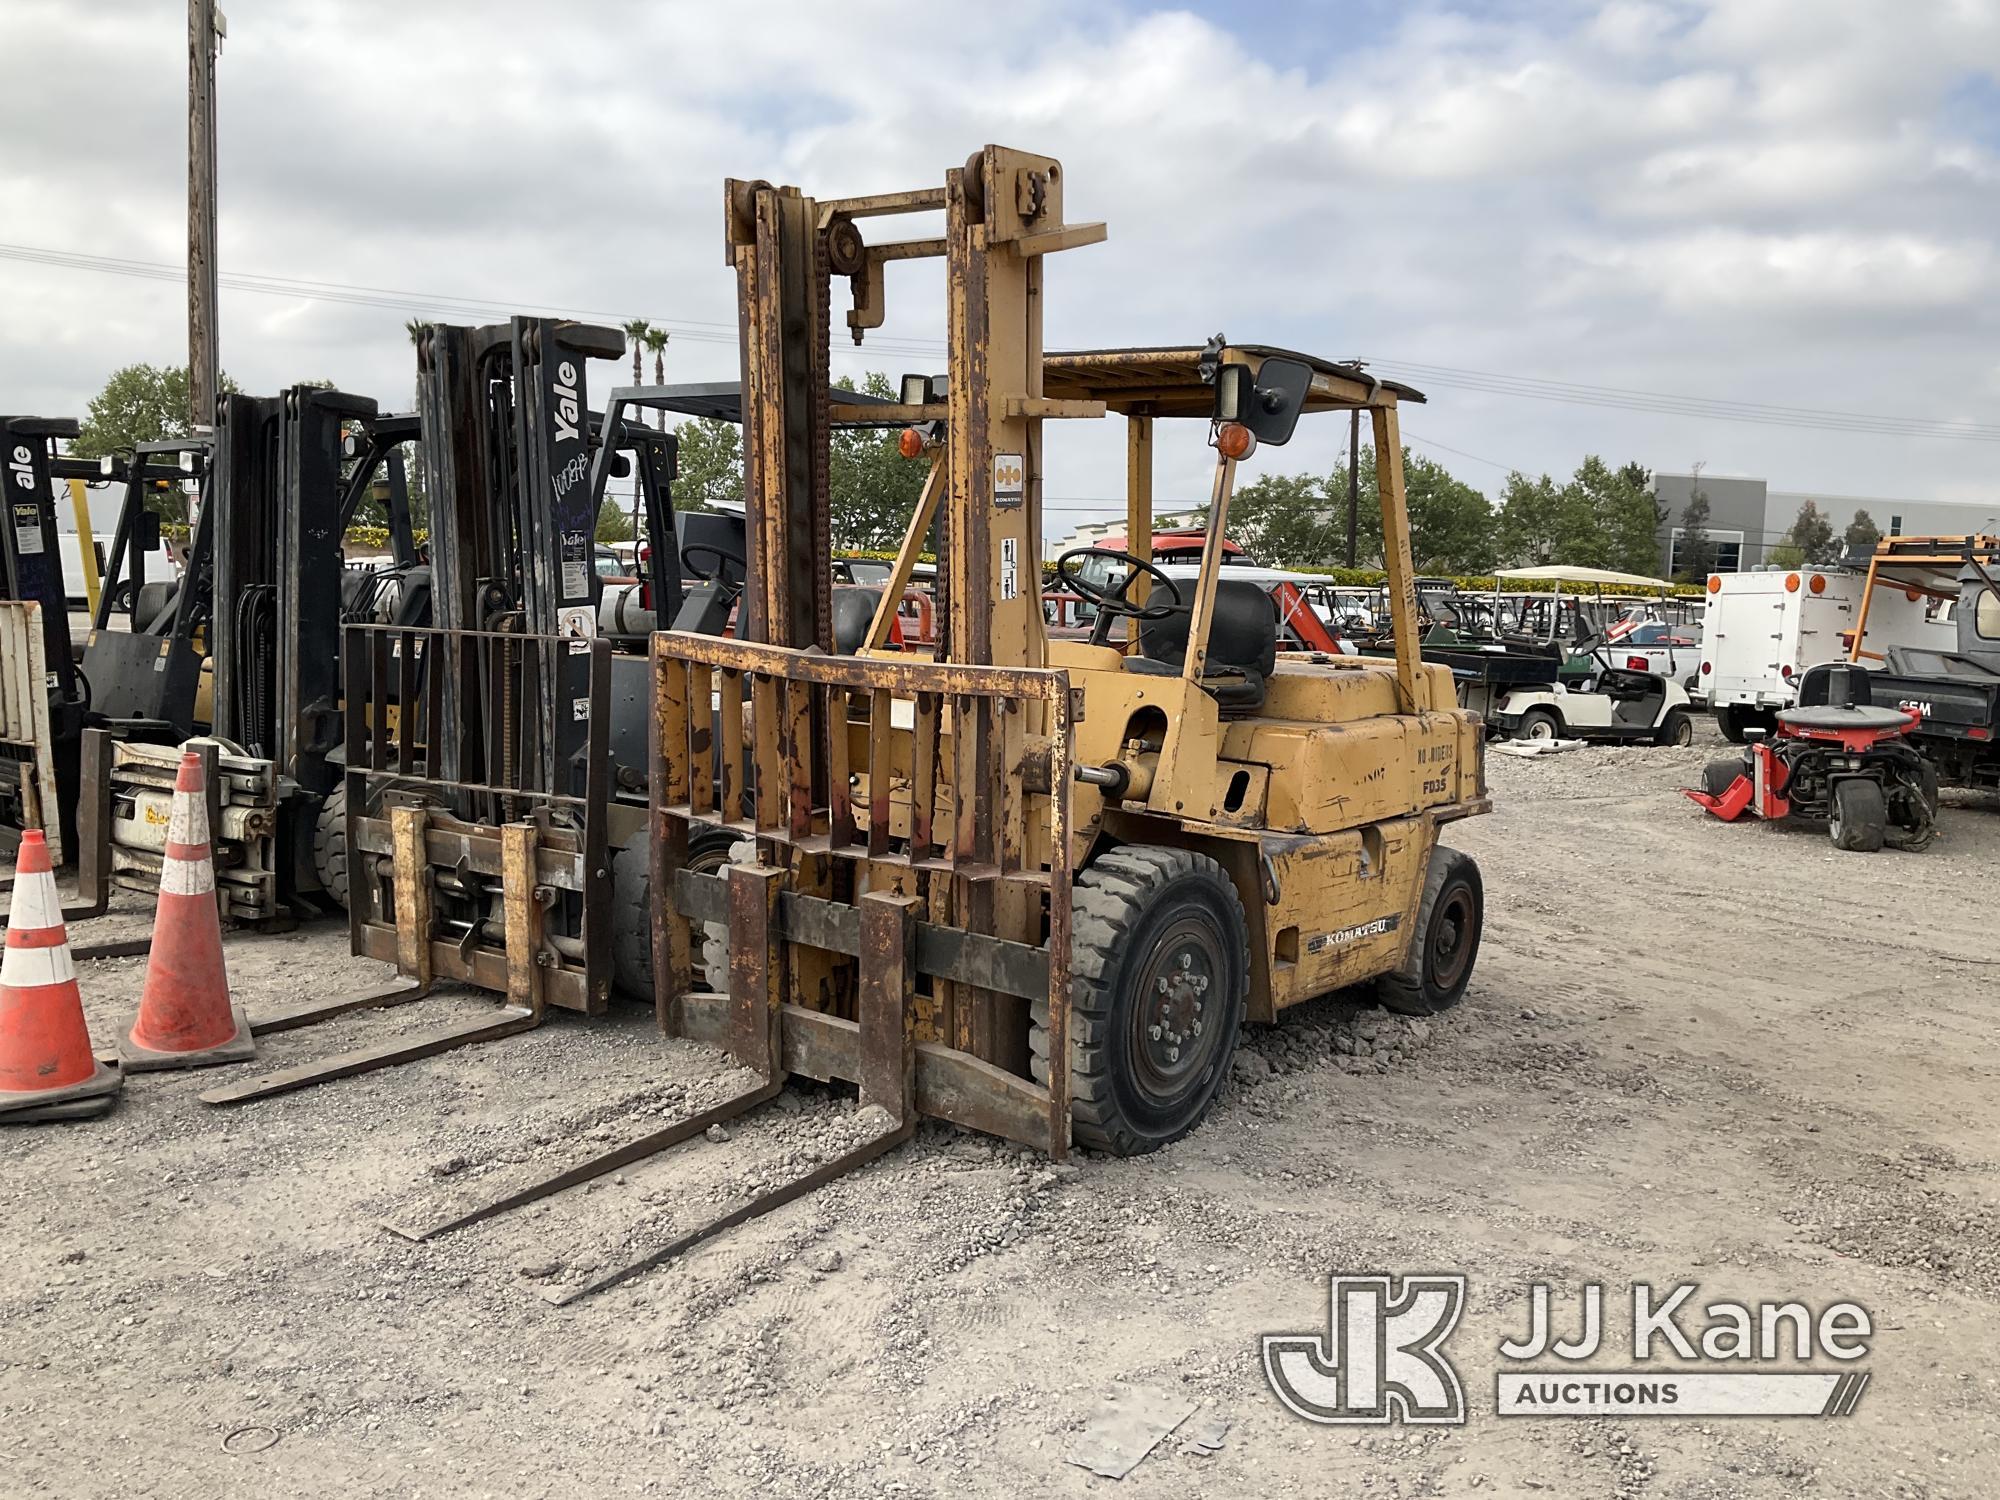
<point x="36" y="903"/>
<point x="188" y="823"/>
<point x="187" y="877"/>
<point x="28" y="968"/>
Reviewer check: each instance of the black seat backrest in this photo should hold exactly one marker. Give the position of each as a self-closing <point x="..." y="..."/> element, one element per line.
<point x="1244" y="636"/>
<point x="414" y="607"/>
<point x="152" y="604"/>
<point x="1836" y="683"/>
<point x="854" y="608"/>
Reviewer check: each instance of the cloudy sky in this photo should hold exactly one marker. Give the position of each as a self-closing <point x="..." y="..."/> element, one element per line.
<point x="1581" y="227"/>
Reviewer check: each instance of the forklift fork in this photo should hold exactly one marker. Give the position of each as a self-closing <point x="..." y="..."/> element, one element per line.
<point x="756" y="1041"/>
<point x="525" y="1010"/>
<point x="886" y="1017"/>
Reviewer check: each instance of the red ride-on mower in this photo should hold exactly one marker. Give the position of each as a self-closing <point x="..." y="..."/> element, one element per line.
<point x="1845" y="764"/>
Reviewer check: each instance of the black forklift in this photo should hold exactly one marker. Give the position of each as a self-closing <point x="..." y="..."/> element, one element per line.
<point x="43" y="697"/>
<point x="238" y="658"/>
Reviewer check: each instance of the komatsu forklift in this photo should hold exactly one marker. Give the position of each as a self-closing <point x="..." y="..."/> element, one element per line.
<point x="1033" y="887"/>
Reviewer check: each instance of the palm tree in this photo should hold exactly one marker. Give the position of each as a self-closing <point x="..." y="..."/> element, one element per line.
<point x="656" y="340"/>
<point x="635" y="335"/>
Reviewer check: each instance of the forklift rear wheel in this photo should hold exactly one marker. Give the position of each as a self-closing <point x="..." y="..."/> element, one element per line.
<point x="1159" y="975"/>
<point x="1860" y="816"/>
<point x="1539" y="724"/>
<point x="1675" y="729"/>
<point x="1718" y="776"/>
<point x="1446" y="945"/>
<point x="632" y="916"/>
<point x="330" y="845"/>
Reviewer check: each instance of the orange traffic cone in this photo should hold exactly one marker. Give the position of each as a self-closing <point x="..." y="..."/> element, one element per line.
<point x="185" y="1016"/>
<point x="47" y="1071"/>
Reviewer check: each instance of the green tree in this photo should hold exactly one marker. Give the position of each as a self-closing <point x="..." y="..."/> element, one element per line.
<point x="1534" y="524"/>
<point x="1609" y="518"/>
<point x="139" y="404"/>
<point x="1696" y="553"/>
<point x="711" y="464"/>
<point x="1452" y="525"/>
<point x="1862" y="534"/>
<point x="656" y="340"/>
<point x="1812" y="535"/>
<point x="1786" y="555"/>
<point x="1287" y="520"/>
<point x="635" y="337"/>
<point x="613" y="524"/>
<point x="872" y="489"/>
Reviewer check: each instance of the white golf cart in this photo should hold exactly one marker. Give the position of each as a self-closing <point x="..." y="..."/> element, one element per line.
<point x="1595" y="694"/>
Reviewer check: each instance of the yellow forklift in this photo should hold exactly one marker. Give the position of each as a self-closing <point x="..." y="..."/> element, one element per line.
<point x="1030" y="886"/>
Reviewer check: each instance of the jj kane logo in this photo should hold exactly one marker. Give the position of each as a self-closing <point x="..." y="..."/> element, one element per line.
<point x="1382" y="1357"/>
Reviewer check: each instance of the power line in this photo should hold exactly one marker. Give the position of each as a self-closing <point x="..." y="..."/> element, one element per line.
<point x="1707" y="408"/>
<point x="1519" y="387"/>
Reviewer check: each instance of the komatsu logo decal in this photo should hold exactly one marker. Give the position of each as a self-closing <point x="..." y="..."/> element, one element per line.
<point x="1375" y="928"/>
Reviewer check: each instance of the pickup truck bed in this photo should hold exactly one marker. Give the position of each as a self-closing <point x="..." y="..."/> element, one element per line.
<point x="1959" y="697"/>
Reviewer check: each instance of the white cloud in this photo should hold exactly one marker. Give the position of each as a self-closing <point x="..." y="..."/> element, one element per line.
<point x="1760" y="197"/>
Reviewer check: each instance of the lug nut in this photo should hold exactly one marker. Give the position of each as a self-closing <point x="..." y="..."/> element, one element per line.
<point x="1153" y="1032"/>
<point x="1173" y="1054"/>
<point x="1187" y="962"/>
<point x="1163" y="984"/>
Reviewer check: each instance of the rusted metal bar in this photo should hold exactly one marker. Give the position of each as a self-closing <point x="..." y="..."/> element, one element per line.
<point x="412" y="893"/>
<point x="373" y="1059"/>
<point x="888" y="985"/>
<point x="629" y="1154"/>
<point x="757" y="967"/>
<point x="839" y="773"/>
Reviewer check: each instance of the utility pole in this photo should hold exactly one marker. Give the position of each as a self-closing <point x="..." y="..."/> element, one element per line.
<point x="1353" y="478"/>
<point x="206" y="28"/>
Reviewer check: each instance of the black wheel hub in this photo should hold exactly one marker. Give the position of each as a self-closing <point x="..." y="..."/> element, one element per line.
<point x="1178" y="1019"/>
<point x="1450" y="940"/>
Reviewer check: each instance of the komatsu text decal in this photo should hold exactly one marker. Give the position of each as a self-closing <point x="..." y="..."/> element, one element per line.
<point x="1354" y="934"/>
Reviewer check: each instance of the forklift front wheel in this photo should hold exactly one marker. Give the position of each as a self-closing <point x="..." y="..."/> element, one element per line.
<point x="1159" y="975"/>
<point x="1446" y="944"/>
<point x="330" y="845"/>
<point x="632" y="915"/>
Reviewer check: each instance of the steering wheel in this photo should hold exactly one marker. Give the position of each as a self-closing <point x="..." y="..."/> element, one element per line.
<point x="1113" y="601"/>
<point x="723" y="558"/>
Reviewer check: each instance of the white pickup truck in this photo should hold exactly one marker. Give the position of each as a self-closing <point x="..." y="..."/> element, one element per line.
<point x="1763" y="630"/>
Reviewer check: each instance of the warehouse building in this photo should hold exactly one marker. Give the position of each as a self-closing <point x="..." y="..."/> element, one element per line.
<point x="1746" y="518"/>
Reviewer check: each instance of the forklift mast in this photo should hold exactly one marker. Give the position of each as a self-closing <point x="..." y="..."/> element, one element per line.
<point x="507" y="434"/>
<point x="278" y="507"/>
<point x="33" y="558"/>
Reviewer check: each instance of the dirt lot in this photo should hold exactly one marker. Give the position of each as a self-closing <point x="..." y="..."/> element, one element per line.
<point x="1691" y="1053"/>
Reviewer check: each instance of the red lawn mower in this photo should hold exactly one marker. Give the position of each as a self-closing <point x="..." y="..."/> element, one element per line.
<point x="1845" y="764"/>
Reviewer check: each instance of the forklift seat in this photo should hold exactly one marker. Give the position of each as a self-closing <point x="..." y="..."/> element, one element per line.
<point x="854" y="608"/>
<point x="152" y="604"/>
<point x="1242" y="644"/>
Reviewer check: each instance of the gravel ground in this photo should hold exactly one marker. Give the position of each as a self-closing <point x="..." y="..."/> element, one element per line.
<point x="1691" y="1052"/>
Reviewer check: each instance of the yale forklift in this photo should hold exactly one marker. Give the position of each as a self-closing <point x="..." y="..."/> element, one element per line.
<point x="1030" y="886"/>
<point x="238" y="658"/>
<point x="43" y="697"/>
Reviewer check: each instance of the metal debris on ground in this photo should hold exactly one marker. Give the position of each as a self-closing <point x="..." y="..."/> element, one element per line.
<point x="1128" y="1423"/>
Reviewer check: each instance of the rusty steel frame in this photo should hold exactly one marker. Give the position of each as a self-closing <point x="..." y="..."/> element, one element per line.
<point x="957" y="823"/>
